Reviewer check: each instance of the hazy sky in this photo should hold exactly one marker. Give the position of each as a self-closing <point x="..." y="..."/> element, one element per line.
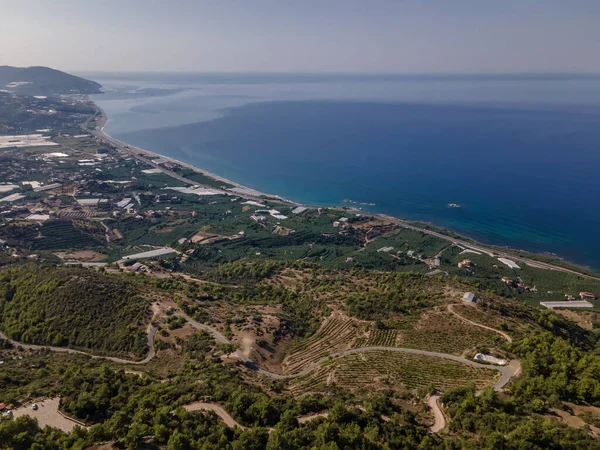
<point x="302" y="35"/>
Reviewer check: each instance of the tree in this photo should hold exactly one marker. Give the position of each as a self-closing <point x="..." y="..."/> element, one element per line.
<point x="177" y="441"/>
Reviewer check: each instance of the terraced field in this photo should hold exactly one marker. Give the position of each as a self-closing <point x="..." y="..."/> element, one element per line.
<point x="492" y="318"/>
<point x="61" y="234"/>
<point x="441" y="331"/>
<point x="437" y="331"/>
<point x="395" y="370"/>
<point x="377" y="338"/>
<point x="337" y="333"/>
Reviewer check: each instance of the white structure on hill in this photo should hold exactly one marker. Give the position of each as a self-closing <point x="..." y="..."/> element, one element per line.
<point x="469" y="297"/>
<point x="567" y="304"/>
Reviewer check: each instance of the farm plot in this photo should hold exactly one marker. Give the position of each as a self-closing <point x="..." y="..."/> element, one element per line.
<point x="396" y="370"/>
<point x="378" y="338"/>
<point x="441" y="331"/>
<point x="338" y="333"/>
<point x="495" y="319"/>
<point x="64" y="234"/>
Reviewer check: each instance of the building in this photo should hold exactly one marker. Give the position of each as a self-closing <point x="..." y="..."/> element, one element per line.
<point x="567" y="304"/>
<point x="587" y="296"/>
<point x="469" y="297"/>
<point x="490" y="359"/>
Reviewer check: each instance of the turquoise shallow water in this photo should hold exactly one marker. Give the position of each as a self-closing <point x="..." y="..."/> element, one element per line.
<point x="524" y="169"/>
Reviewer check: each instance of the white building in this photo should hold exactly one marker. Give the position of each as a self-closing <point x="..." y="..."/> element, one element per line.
<point x="469" y="297"/>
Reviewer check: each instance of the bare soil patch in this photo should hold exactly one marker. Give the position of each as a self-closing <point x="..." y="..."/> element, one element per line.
<point x="82" y="255"/>
<point x="584" y="319"/>
<point x="47" y="413"/>
<point x="572" y="420"/>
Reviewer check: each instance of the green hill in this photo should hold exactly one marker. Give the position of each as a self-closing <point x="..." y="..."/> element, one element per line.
<point x="44" y="81"/>
<point x="71" y="307"/>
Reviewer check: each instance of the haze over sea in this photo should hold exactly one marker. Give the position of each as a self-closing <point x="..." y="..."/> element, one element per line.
<point x="520" y="154"/>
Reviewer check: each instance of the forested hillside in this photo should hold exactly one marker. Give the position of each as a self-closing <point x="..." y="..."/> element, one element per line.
<point x="71" y="307"/>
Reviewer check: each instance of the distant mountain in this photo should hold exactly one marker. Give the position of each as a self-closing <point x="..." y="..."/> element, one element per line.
<point x="44" y="81"/>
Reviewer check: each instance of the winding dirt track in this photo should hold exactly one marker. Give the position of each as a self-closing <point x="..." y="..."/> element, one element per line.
<point x="440" y="422"/>
<point x="217" y="409"/>
<point x="151" y="330"/>
<point x="439" y="417"/>
<point x="464" y="319"/>
<point x="149" y="356"/>
<point x="507" y="372"/>
<point x="514" y="367"/>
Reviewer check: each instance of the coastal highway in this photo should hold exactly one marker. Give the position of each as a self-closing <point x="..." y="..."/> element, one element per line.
<point x="493" y="253"/>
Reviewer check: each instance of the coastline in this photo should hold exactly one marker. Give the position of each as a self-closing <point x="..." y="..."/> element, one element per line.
<point x="125" y="147"/>
<point x="253" y="194"/>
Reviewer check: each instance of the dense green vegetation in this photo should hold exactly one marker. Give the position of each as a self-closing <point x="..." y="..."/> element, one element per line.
<point x="555" y="369"/>
<point x="72" y="307"/>
<point x="490" y="422"/>
<point x="557" y="365"/>
<point x="127" y="408"/>
<point x="396" y="293"/>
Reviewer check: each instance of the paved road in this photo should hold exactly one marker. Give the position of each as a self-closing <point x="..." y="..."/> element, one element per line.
<point x="507" y="372"/>
<point x="494" y="252"/>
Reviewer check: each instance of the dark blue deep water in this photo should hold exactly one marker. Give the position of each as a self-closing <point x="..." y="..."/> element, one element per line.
<point x="524" y="172"/>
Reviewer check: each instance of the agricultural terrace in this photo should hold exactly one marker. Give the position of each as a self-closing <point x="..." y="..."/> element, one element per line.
<point x="395" y="370"/>
<point x="436" y="330"/>
<point x="337" y="333"/>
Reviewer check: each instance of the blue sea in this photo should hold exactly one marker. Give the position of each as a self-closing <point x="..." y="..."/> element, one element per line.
<point x="519" y="154"/>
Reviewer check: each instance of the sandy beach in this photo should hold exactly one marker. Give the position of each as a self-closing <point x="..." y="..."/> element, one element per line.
<point x="241" y="190"/>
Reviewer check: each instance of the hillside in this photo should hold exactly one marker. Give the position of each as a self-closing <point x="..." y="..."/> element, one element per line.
<point x="44" y="81"/>
<point x="72" y="308"/>
<point x="322" y="328"/>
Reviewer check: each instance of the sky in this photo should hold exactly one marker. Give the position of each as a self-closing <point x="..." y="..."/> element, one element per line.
<point x="314" y="36"/>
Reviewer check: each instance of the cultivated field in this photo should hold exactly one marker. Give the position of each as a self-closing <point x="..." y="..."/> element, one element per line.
<point x="442" y="331"/>
<point x="435" y="330"/>
<point x="337" y="333"/>
<point x="393" y="370"/>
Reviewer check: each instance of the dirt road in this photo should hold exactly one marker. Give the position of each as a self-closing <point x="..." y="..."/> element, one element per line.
<point x="439" y="422"/>
<point x="464" y="319"/>
<point x="217" y="409"/>
<point x="506" y="372"/>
